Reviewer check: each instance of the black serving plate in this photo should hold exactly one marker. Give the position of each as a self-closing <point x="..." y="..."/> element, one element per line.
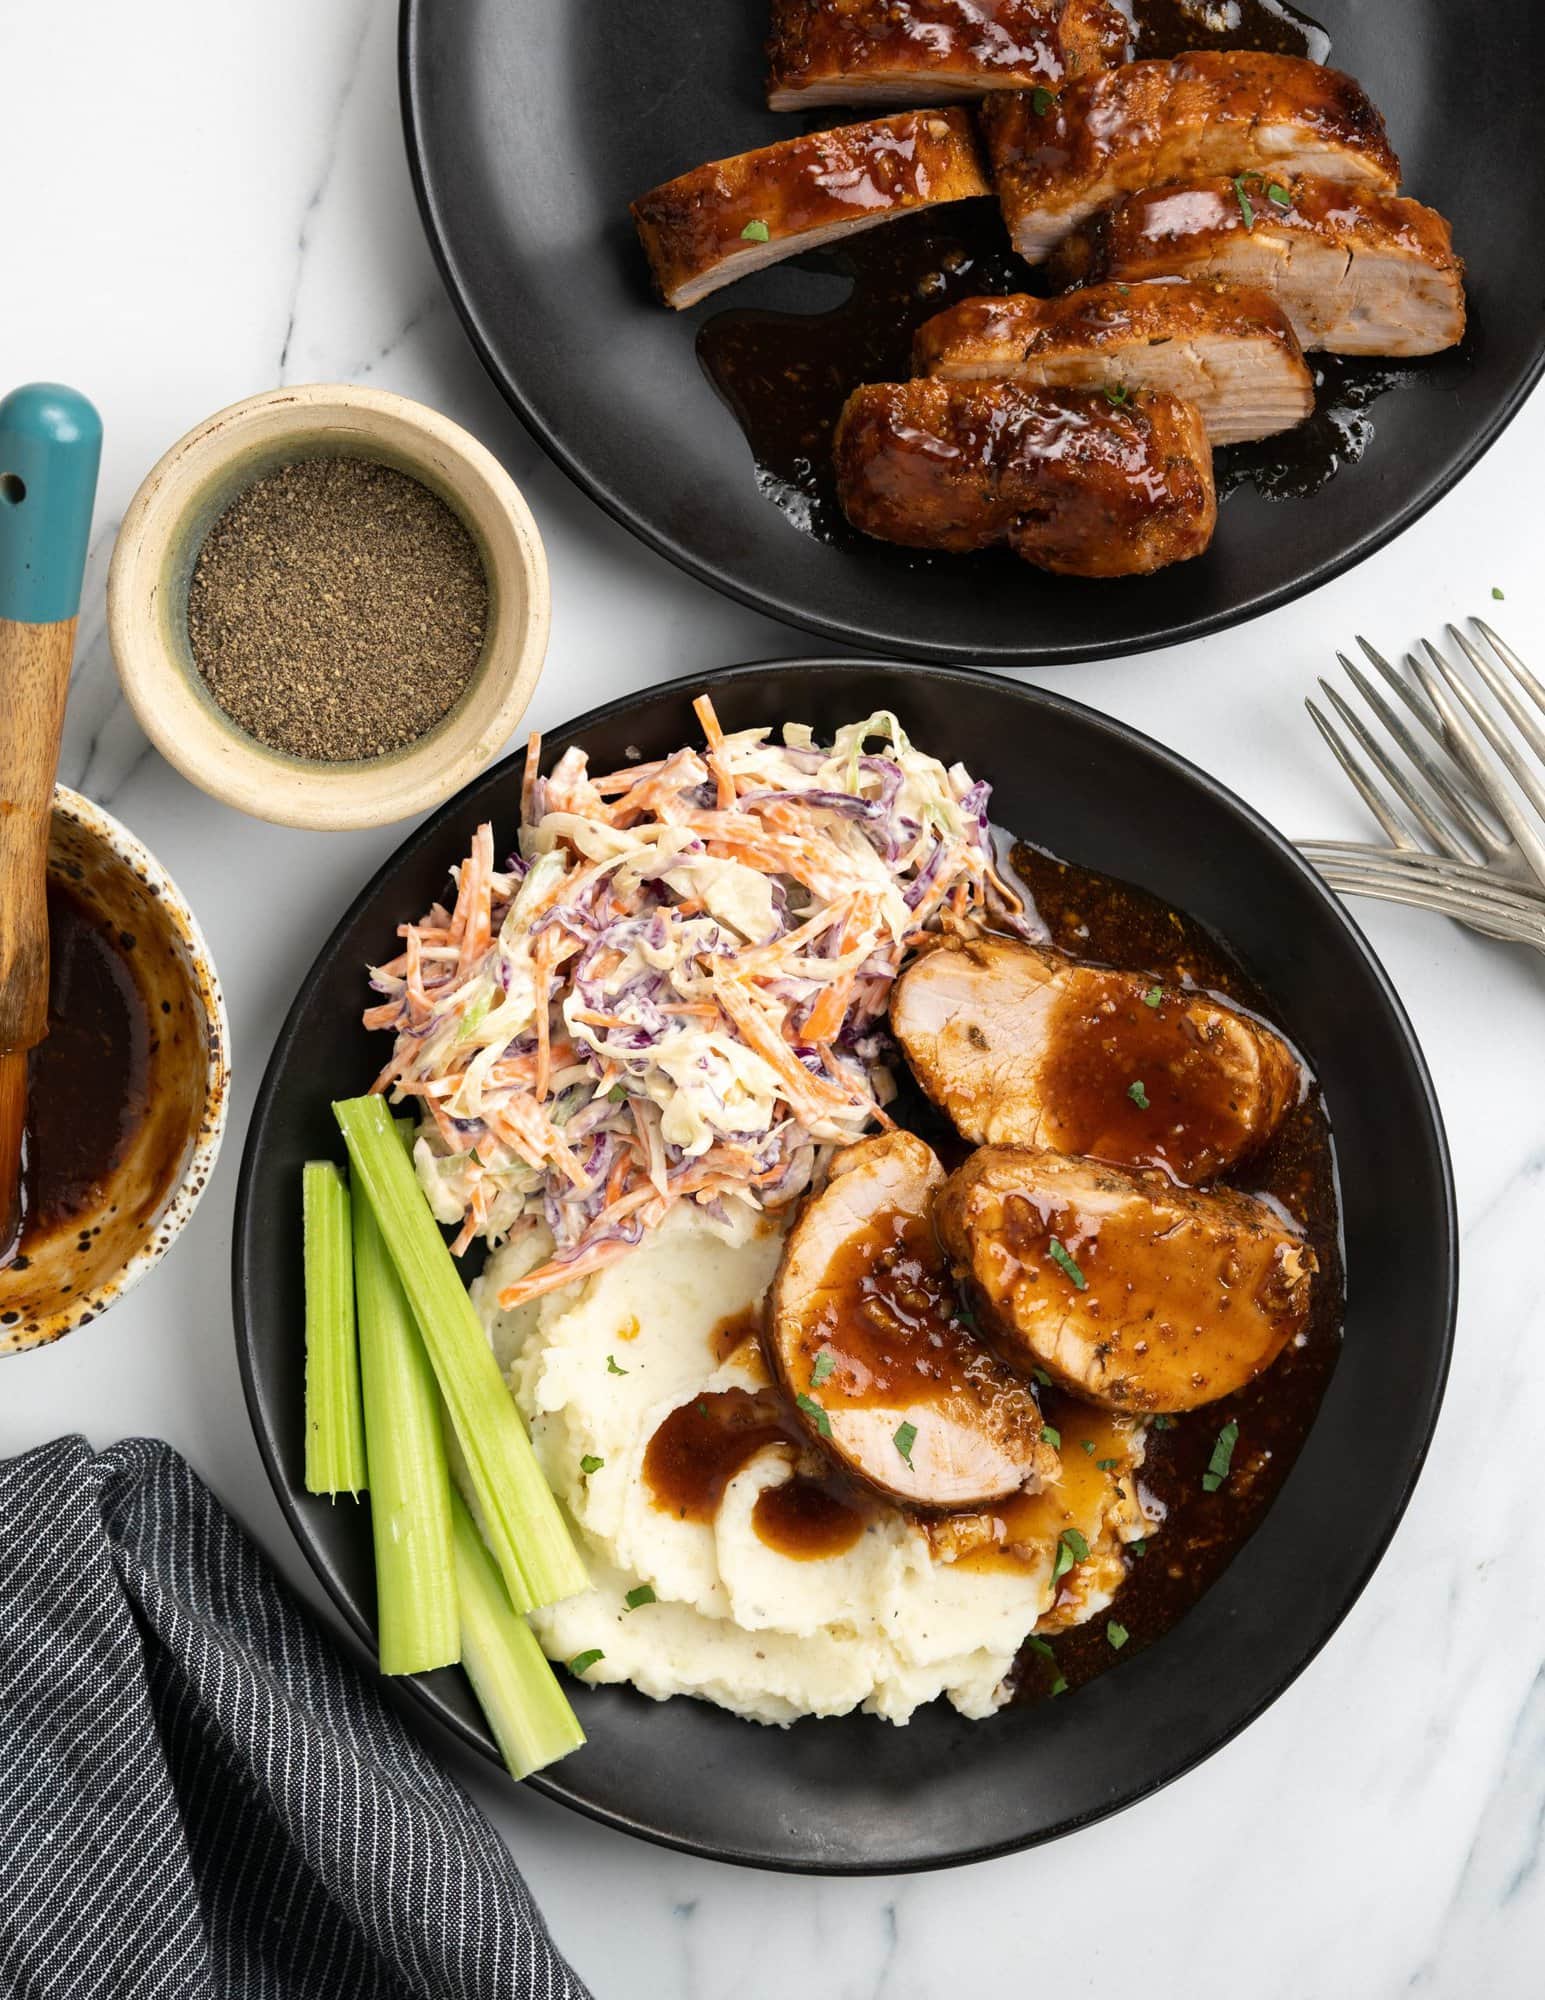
<point x="531" y="124"/>
<point x="858" y="1795"/>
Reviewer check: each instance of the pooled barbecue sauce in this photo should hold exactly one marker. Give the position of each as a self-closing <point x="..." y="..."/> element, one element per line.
<point x="699" y="1448"/>
<point x="88" y="1079"/>
<point x="1115" y="924"/>
<point x="786" y="375"/>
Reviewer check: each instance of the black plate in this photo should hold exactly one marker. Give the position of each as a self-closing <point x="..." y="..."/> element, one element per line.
<point x="532" y="123"/>
<point x="857" y="1795"/>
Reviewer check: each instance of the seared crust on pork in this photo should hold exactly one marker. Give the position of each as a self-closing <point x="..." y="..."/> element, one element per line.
<point x="1227" y="348"/>
<point x="927" y="51"/>
<point x="1069" y="480"/>
<point x="1356" y="270"/>
<point x="1106" y="135"/>
<point x="1126" y="1289"/>
<point x="802" y="192"/>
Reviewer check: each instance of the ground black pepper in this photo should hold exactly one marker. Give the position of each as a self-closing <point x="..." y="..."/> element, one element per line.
<point x="337" y="609"/>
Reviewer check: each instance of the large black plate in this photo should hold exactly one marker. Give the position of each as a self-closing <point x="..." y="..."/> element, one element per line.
<point x="532" y="123"/>
<point x="858" y="1795"/>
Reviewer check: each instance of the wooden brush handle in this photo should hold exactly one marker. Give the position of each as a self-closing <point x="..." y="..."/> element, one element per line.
<point x="34" y="681"/>
<point x="50" y="444"/>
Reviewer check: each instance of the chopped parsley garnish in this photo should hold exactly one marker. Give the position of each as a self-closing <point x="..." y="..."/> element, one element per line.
<point x="1153" y="996"/>
<point x="1118" y="1635"/>
<point x="1051" y="1435"/>
<point x="1040" y="1375"/>
<point x="1496" y="593"/>
<point x="1059" y="1685"/>
<point x="1042" y="100"/>
<point x="1138" y="1095"/>
<point x="1060" y="1257"/>
<point x="1244" y="202"/>
<point x="1071" y="1548"/>
<point x="590" y="1463"/>
<point x="825" y="1362"/>
<point x="756" y="232"/>
<point x="611" y="1366"/>
<point x="816" y="1414"/>
<point x="1140" y="1546"/>
<point x="1088" y="1445"/>
<point x="1278" y="195"/>
<point x="1117" y="393"/>
<point x="617" y="1094"/>
<point x="1125" y="291"/>
<point x="1222" y="1458"/>
<point x="904" y="1439"/>
<point x="1164" y="1423"/>
<point x="641" y="1593"/>
<point x="583" y="1662"/>
<point x="1107" y="1464"/>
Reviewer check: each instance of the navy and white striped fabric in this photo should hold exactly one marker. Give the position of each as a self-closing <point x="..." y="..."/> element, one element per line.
<point x="198" y="1796"/>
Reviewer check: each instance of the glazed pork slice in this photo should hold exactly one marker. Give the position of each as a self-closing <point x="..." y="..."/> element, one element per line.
<point x="1226" y="348"/>
<point x="718" y="222"/>
<point x="1020" y="1045"/>
<point x="1070" y="480"/>
<point x="1356" y="270"/>
<point x="1124" y="1288"/>
<point x="928" y="51"/>
<point x="1110" y="133"/>
<point x="862" y="1332"/>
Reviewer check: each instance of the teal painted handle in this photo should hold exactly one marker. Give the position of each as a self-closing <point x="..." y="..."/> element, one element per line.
<point x="50" y="446"/>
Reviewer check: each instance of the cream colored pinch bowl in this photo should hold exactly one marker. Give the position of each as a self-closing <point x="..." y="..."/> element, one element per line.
<point x="164" y="529"/>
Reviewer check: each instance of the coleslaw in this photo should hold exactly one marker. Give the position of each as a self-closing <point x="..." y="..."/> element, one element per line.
<point x="675" y="989"/>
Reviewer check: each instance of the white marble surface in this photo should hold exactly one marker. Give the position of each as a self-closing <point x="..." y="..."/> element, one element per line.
<point x="204" y="201"/>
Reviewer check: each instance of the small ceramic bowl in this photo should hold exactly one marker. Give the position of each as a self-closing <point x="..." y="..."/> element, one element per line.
<point x="158" y="545"/>
<point x="73" y="1274"/>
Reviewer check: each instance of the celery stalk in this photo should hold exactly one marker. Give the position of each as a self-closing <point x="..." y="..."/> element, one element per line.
<point x="335" y="1431"/>
<point x="530" y="1541"/>
<point x="518" y="1691"/>
<point x="410" y="1506"/>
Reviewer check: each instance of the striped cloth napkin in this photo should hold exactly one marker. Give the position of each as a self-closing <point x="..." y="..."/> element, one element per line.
<point x="198" y="1795"/>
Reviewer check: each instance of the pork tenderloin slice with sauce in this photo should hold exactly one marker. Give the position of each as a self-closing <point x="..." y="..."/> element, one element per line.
<point x="1356" y="270"/>
<point x="1069" y="480"/>
<point x="1227" y="348"/>
<point x="1215" y="112"/>
<point x="1020" y="1045"/>
<point x="862" y="1332"/>
<point x="1125" y="1288"/>
<point x="800" y="193"/>
<point x="928" y="51"/>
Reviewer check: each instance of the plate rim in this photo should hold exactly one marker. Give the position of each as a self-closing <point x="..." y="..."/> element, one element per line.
<point x="548" y="1783"/>
<point x="411" y="16"/>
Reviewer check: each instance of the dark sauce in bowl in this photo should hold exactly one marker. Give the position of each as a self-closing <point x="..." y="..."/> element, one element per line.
<point x="786" y="375"/>
<point x="88" y="1079"/>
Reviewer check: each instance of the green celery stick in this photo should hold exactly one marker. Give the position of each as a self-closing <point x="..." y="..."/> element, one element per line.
<point x="518" y="1691"/>
<point x="335" y="1430"/>
<point x="410" y="1490"/>
<point x="530" y="1541"/>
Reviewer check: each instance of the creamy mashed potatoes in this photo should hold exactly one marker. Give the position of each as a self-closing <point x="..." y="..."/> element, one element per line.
<point x="899" y="1617"/>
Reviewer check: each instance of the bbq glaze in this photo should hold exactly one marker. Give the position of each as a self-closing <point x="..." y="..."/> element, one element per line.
<point x="840" y="51"/>
<point x="1071" y="480"/>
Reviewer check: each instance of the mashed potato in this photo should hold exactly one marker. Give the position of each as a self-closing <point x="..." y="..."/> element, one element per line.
<point x="897" y="1619"/>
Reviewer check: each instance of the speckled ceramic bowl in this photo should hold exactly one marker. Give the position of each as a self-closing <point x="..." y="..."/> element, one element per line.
<point x="74" y="1274"/>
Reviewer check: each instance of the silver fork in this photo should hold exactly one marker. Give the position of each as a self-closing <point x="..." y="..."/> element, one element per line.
<point x="1489" y="867"/>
